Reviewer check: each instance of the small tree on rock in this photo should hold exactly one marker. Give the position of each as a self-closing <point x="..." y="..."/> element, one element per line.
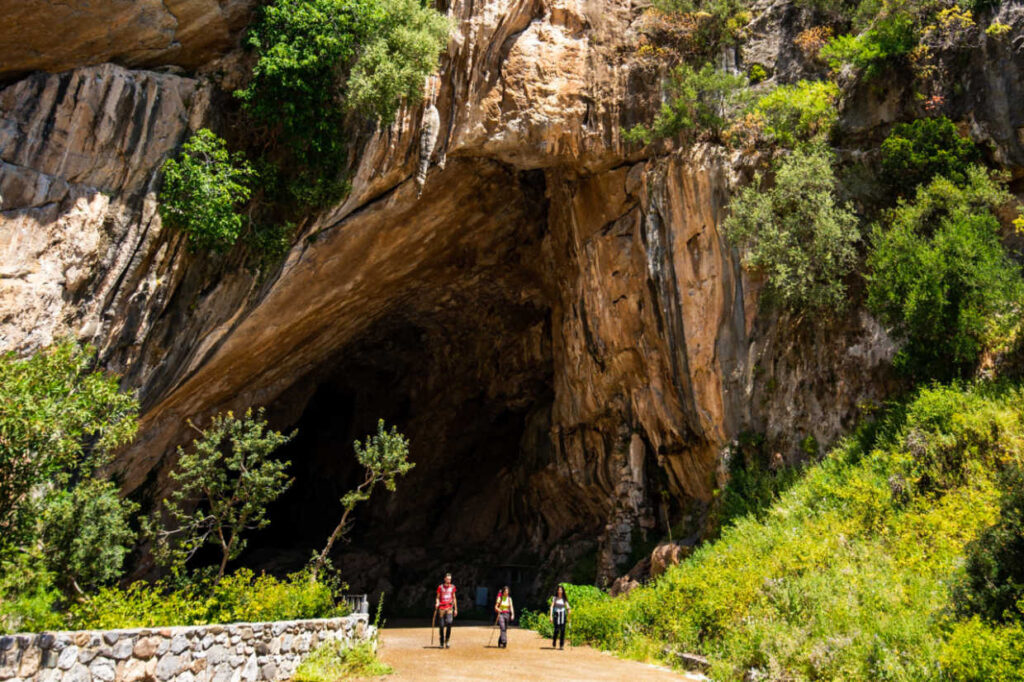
<point x="384" y="456"/>
<point x="225" y="487"/>
<point x="797" y="234"/>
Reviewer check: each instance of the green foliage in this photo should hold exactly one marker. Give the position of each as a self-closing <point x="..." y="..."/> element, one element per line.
<point x="536" y="621"/>
<point x="716" y="23"/>
<point x="797" y="234"/>
<point x="997" y="29"/>
<point x="994" y="585"/>
<point x="27" y="595"/>
<point x="204" y="190"/>
<point x="799" y="113"/>
<point x="58" y="419"/>
<point x="87" y="535"/>
<point x="239" y="597"/>
<point x="847" y="574"/>
<point x="757" y="73"/>
<point x="892" y="35"/>
<point x="940" y="277"/>
<point x="317" y="59"/>
<point x="697" y="99"/>
<point x="916" y="152"/>
<point x="334" y="660"/>
<point x="224" y="488"/>
<point x="580" y="597"/>
<point x="977" y="651"/>
<point x="753" y="486"/>
<point x="394" y="64"/>
<point x="384" y="458"/>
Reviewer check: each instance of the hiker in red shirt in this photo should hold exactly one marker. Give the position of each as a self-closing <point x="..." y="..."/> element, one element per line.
<point x="447" y="607"/>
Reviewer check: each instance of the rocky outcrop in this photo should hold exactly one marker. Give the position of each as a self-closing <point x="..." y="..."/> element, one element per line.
<point x="56" y="36"/>
<point x="553" y="317"/>
<point x="79" y="234"/>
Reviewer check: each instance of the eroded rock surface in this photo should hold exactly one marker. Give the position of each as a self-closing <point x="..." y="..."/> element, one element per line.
<point x="48" y="35"/>
<point x="556" y="320"/>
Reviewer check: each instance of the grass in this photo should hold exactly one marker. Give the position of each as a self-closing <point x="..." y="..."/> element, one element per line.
<point x="334" y="661"/>
<point x="849" y="574"/>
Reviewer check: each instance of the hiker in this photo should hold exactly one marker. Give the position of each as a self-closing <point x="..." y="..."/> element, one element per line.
<point x="506" y="614"/>
<point x="558" y="614"/>
<point x="447" y="607"/>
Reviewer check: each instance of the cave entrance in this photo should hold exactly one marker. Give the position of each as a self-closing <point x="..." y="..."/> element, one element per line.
<point x="461" y="363"/>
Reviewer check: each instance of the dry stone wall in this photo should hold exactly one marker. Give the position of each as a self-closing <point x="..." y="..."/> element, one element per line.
<point x="242" y="652"/>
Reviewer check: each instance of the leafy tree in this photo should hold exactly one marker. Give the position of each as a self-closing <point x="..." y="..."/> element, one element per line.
<point x="940" y="277"/>
<point x="697" y="100"/>
<point x="203" y="190"/>
<point x="86" y="534"/>
<point x="57" y="419"/>
<point x="318" y="59"/>
<point x="796" y="232"/>
<point x="916" y="152"/>
<point x="394" y="64"/>
<point x="801" y="112"/>
<point x="224" y="488"/>
<point x="384" y="456"/>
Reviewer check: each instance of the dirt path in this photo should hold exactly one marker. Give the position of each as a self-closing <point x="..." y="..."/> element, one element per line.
<point x="528" y="657"/>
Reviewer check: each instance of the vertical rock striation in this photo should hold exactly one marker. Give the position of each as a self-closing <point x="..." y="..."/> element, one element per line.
<point x="553" y="316"/>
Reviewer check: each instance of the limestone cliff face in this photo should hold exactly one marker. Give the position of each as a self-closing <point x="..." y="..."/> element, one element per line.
<point x="556" y="320"/>
<point x="53" y="36"/>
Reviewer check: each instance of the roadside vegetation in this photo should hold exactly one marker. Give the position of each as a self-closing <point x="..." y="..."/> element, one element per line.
<point x="895" y="557"/>
<point x="68" y="530"/>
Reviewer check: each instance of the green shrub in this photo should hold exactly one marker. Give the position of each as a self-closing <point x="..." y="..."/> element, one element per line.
<point x="87" y="535"/>
<point x="60" y="421"/>
<point x="393" y="66"/>
<point x="918" y="151"/>
<point x="697" y="100"/>
<point x="847" y="574"/>
<point x="801" y="112"/>
<point x="712" y="23"/>
<point x="752" y="486"/>
<point x="318" y="59"/>
<point x="994" y="584"/>
<point x="536" y="621"/>
<point x="240" y="597"/>
<point x="796" y="233"/>
<point x="977" y="651"/>
<point x="28" y="596"/>
<point x="334" y="660"/>
<point x="204" y="190"/>
<point x="940" y="278"/>
<point x="892" y="35"/>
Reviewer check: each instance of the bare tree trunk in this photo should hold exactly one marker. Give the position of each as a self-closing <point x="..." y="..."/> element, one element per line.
<point x="225" y="549"/>
<point x="322" y="559"/>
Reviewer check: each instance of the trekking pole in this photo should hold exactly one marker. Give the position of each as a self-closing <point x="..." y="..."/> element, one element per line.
<point x="432" y="621"/>
<point x="491" y="640"/>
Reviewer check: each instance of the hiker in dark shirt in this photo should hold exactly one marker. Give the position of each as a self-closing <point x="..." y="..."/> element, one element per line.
<point x="559" y="616"/>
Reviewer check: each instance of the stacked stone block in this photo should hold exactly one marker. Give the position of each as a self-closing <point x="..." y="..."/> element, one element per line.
<point x="242" y="652"/>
